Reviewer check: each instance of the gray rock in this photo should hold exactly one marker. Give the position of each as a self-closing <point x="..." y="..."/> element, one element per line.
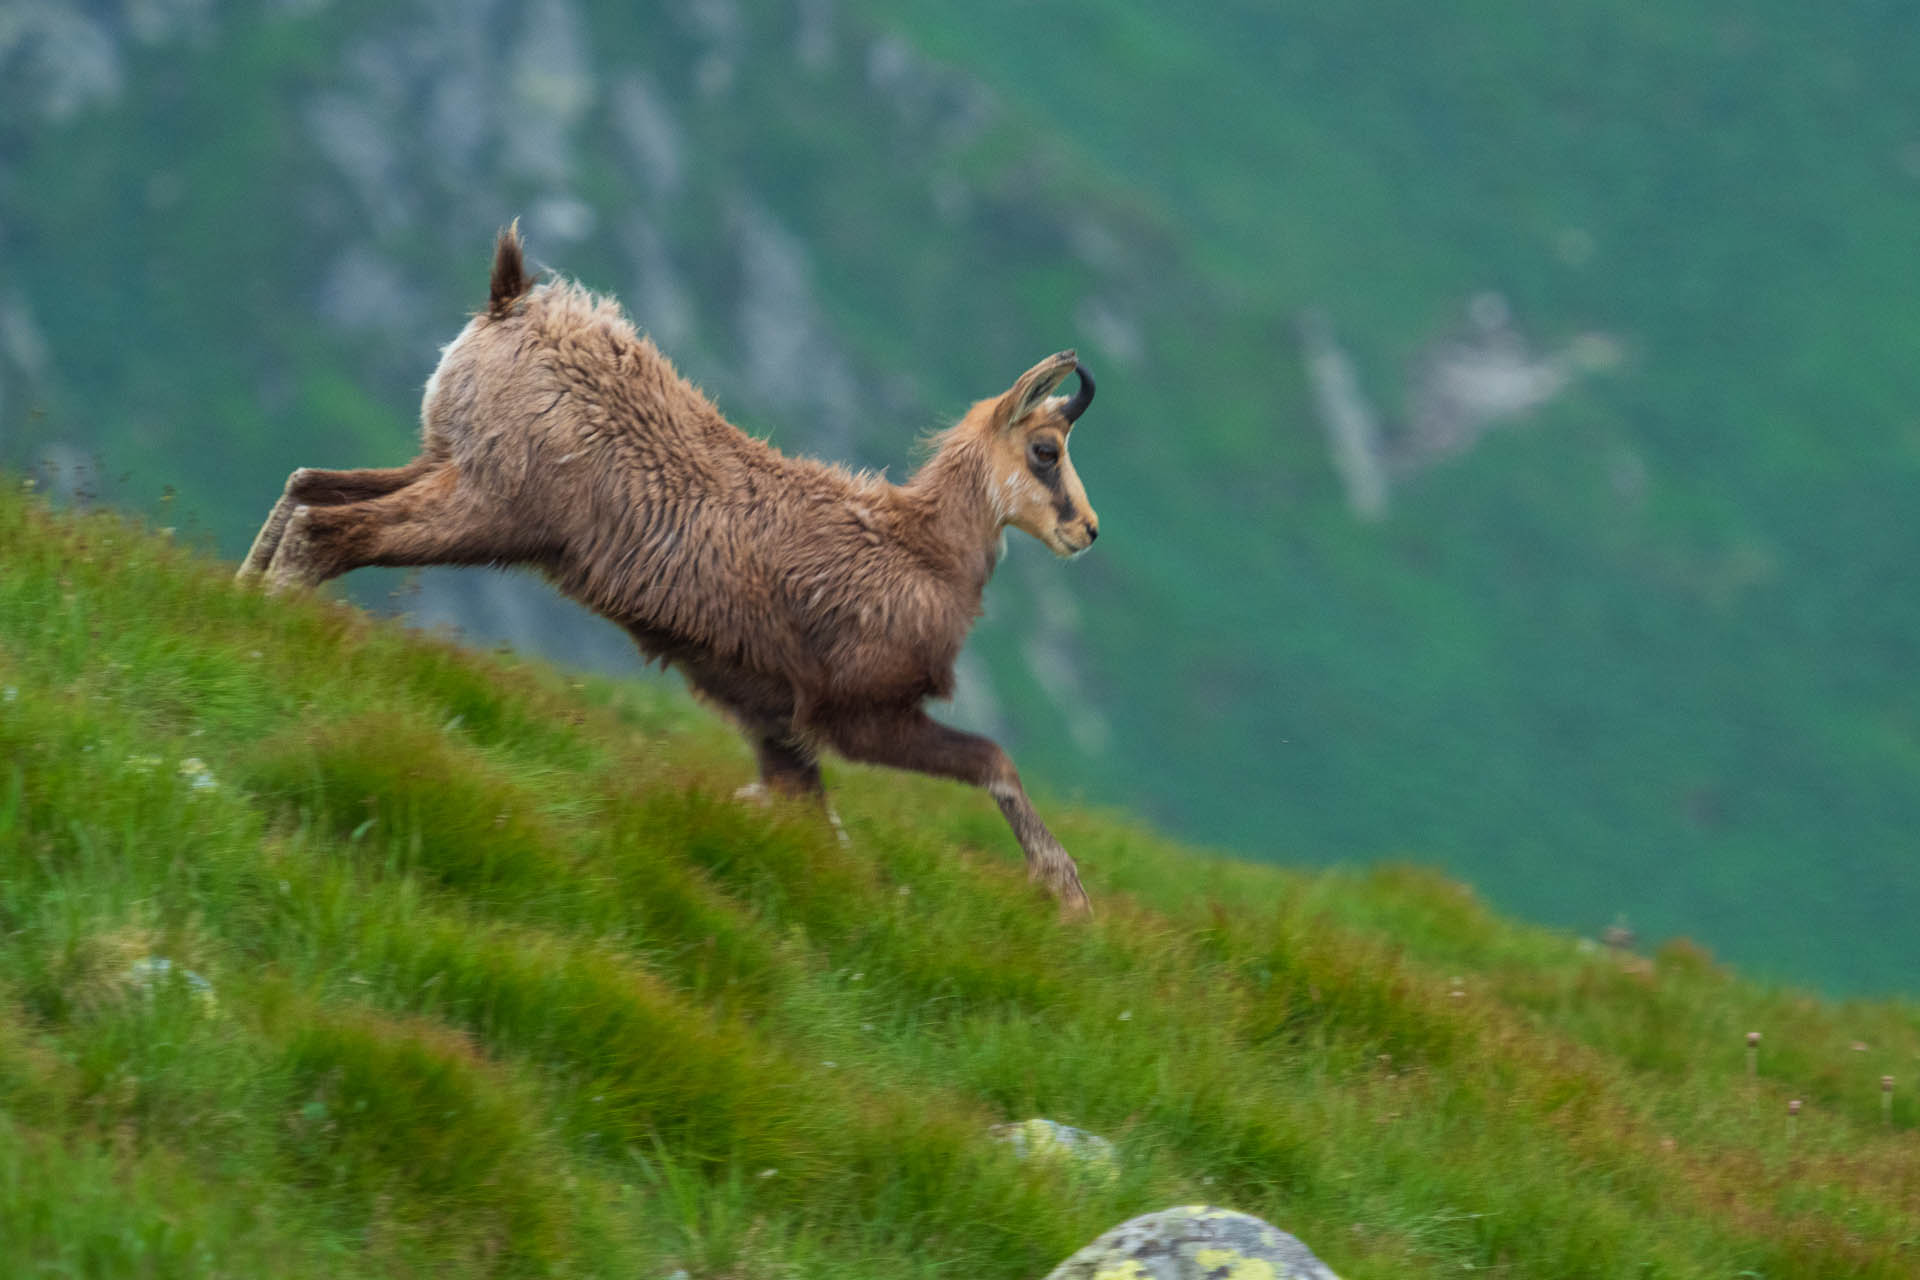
<point x="159" y="21"/>
<point x="646" y="123"/>
<point x="64" y="59"/>
<point x="552" y="83"/>
<point x="365" y="292"/>
<point x="1194" y="1242"/>
<point x="1049" y="1139"/>
<point x="154" y="971"/>
<point x="352" y="133"/>
<point x="813" y="42"/>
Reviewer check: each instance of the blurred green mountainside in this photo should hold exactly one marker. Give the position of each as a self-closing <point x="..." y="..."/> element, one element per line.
<point x="1609" y="615"/>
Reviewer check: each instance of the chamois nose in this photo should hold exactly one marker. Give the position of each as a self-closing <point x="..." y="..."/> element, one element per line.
<point x="1093" y="533"/>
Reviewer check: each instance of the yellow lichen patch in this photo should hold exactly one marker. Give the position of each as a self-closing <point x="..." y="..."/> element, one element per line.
<point x="1238" y="1265"/>
<point x="1128" y="1269"/>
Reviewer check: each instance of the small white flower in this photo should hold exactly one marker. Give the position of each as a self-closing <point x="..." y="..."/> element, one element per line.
<point x="1126" y="1015"/>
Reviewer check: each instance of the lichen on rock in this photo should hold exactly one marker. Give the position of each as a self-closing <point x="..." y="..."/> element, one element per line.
<point x="1050" y="1140"/>
<point x="1194" y="1242"/>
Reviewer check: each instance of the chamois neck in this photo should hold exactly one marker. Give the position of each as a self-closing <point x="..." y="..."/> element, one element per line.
<point x="952" y="498"/>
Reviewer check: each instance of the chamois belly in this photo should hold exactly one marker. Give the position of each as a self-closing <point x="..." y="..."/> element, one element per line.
<point x="878" y="662"/>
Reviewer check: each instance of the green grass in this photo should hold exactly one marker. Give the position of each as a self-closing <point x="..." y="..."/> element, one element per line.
<point x="501" y="982"/>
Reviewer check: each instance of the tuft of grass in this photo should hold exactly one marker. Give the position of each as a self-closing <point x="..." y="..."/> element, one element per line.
<point x="407" y="1126"/>
<point x="418" y="799"/>
<point x="333" y="949"/>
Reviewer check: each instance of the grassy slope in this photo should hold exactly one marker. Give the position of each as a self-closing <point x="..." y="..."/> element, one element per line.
<point x="503" y="983"/>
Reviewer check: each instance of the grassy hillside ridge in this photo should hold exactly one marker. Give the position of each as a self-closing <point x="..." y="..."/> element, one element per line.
<point x="474" y="969"/>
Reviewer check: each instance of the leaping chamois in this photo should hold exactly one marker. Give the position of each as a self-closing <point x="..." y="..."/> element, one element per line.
<point x="818" y="607"/>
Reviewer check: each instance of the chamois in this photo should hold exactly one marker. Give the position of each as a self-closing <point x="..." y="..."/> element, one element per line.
<point x="819" y="608"/>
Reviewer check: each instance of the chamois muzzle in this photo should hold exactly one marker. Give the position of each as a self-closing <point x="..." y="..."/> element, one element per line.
<point x="1081" y="398"/>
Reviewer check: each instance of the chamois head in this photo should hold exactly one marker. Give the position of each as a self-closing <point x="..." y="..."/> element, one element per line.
<point x="1032" y="483"/>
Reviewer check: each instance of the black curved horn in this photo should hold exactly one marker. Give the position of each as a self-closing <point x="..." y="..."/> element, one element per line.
<point x="1081" y="398"/>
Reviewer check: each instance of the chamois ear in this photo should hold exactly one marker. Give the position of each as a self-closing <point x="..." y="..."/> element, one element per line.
<point x="1035" y="385"/>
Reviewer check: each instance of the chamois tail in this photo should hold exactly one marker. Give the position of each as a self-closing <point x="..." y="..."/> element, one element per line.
<point x="510" y="282"/>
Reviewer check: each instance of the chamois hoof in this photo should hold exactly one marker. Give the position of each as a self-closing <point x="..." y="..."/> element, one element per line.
<point x="761" y="796"/>
<point x="289" y="571"/>
<point x="253" y="569"/>
<point x="282" y="584"/>
<point x="1062" y="880"/>
<point x="251" y="574"/>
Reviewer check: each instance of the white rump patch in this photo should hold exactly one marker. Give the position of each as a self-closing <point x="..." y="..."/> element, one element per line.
<point x="433" y="379"/>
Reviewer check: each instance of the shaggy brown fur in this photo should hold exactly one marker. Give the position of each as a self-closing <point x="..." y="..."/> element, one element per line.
<point x="820" y="608"/>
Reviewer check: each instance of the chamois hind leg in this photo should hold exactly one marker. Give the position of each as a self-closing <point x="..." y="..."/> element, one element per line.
<point x="789" y="768"/>
<point x="911" y="739"/>
<point x="762" y="709"/>
<point x="315" y="487"/>
<point x="431" y="521"/>
<point x="789" y="765"/>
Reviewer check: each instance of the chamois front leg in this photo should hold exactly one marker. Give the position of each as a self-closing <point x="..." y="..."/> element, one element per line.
<point x="912" y="739"/>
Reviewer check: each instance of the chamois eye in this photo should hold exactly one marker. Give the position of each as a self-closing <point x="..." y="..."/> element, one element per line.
<point x="1044" y="453"/>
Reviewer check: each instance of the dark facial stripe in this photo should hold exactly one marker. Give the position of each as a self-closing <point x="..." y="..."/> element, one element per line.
<point x="1056" y="485"/>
